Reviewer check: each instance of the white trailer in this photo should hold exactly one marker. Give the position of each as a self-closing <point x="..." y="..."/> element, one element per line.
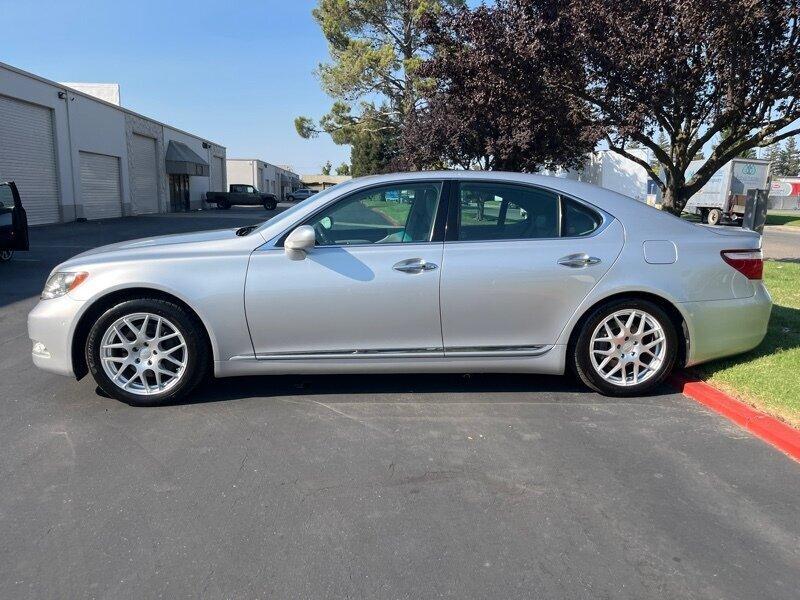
<point x="611" y="171"/>
<point x="725" y="194"/>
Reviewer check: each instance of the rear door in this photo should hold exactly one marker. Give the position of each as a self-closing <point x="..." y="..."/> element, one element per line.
<point x="518" y="260"/>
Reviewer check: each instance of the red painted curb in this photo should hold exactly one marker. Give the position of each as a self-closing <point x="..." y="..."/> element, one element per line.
<point x="777" y="433"/>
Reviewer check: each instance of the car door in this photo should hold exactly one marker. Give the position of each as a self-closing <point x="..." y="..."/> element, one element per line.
<point x="370" y="286"/>
<point x="13" y="219"/>
<point x="517" y="262"/>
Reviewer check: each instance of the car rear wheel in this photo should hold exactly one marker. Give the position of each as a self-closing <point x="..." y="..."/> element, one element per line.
<point x="224" y="205"/>
<point x="6" y="255"/>
<point x="147" y="352"/>
<point x="625" y="348"/>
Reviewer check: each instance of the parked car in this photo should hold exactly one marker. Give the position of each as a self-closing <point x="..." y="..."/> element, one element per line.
<point x="555" y="275"/>
<point x="300" y="194"/>
<point x="242" y="195"/>
<point x="13" y="222"/>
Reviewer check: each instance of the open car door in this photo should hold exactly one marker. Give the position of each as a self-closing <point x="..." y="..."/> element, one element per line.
<point x="13" y="220"/>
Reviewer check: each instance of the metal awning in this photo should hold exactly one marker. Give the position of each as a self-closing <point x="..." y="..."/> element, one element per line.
<point x="182" y="160"/>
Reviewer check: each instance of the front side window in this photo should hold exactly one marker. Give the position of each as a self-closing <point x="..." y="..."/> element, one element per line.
<point x="495" y="211"/>
<point x="392" y="214"/>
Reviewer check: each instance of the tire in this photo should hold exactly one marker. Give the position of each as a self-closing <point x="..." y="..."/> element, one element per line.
<point x="714" y="216"/>
<point x="588" y="367"/>
<point x="174" y="382"/>
<point x="270" y="205"/>
<point x="6" y="255"/>
<point x="290" y="198"/>
<point x="224" y="204"/>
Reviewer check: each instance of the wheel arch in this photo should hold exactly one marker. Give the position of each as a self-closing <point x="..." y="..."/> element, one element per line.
<point x="674" y="314"/>
<point x="99" y="305"/>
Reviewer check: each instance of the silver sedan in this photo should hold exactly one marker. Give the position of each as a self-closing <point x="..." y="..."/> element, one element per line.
<point x="423" y="272"/>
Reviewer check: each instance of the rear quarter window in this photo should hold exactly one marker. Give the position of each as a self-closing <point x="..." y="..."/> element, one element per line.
<point x="577" y="219"/>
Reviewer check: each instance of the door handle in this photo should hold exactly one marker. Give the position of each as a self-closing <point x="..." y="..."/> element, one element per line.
<point x="578" y="261"/>
<point x="414" y="265"/>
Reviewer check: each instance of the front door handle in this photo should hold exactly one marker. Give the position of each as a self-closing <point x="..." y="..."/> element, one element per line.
<point x="577" y="261"/>
<point x="414" y="265"/>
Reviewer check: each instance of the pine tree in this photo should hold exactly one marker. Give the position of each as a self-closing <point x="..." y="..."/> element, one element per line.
<point x="773" y="154"/>
<point x="790" y="158"/>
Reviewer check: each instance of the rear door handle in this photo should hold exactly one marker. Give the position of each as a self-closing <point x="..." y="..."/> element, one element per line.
<point x="414" y="265"/>
<point x="577" y="261"/>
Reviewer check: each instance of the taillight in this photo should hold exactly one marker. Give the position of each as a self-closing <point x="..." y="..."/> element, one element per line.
<point x="749" y="263"/>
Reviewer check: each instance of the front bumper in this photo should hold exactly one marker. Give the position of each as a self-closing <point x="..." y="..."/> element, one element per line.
<point x="719" y="328"/>
<point x="51" y="325"/>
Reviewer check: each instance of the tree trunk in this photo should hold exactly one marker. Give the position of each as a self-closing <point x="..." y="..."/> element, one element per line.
<point x="674" y="198"/>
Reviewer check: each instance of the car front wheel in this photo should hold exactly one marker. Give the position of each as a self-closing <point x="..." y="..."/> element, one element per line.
<point x="625" y="348"/>
<point x="147" y="352"/>
<point x="6" y="255"/>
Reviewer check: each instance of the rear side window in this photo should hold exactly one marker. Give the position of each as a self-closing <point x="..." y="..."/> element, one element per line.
<point x="494" y="211"/>
<point x="490" y="211"/>
<point x="577" y="219"/>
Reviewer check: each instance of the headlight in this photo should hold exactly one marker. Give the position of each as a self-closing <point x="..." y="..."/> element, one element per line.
<point x="61" y="283"/>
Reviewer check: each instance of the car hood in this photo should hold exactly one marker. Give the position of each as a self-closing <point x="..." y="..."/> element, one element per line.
<point x="186" y="245"/>
<point x="163" y="240"/>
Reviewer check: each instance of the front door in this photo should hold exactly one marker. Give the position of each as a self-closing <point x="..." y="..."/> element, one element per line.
<point x="370" y="287"/>
<point x="518" y="262"/>
<point x="178" y="192"/>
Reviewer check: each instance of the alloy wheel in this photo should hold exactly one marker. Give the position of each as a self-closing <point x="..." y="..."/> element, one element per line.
<point x="628" y="347"/>
<point x="144" y="354"/>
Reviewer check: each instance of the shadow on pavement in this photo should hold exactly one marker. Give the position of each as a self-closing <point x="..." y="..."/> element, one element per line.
<point x="436" y="388"/>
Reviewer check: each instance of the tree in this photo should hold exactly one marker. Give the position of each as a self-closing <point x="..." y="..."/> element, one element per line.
<point x="343" y="169"/>
<point x="326" y="168"/>
<point x="706" y="67"/>
<point x="372" y="153"/>
<point x="790" y="158"/>
<point x="376" y="48"/>
<point x="749" y="153"/>
<point x="490" y="108"/>
<point x="773" y="154"/>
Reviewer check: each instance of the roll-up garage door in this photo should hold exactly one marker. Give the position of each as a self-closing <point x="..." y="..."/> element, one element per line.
<point x="144" y="176"/>
<point x="100" y="192"/>
<point x="216" y="174"/>
<point x="28" y="157"/>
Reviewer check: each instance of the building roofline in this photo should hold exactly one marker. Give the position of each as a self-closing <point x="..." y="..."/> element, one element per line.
<point x="266" y="162"/>
<point x="55" y="84"/>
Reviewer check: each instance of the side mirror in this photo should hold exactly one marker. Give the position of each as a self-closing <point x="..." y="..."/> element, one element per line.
<point x="300" y="241"/>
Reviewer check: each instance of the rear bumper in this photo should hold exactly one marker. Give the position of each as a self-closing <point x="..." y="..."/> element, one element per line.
<point x="52" y="323"/>
<point x="720" y="328"/>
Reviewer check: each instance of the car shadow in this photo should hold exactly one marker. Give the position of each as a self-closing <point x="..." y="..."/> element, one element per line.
<point x="391" y="389"/>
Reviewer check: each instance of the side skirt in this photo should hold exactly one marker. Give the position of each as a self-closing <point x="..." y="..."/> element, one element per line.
<point x="549" y="360"/>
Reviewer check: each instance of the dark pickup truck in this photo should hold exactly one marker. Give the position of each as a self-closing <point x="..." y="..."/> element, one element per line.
<point x="242" y="195"/>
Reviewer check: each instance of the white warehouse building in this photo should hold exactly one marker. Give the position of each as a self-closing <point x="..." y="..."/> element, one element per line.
<point x="265" y="177"/>
<point x="75" y="156"/>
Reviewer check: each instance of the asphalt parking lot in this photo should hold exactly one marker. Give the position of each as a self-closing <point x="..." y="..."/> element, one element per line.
<point x="372" y="486"/>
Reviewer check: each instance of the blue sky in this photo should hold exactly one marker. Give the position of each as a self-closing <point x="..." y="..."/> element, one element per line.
<point x="234" y="72"/>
